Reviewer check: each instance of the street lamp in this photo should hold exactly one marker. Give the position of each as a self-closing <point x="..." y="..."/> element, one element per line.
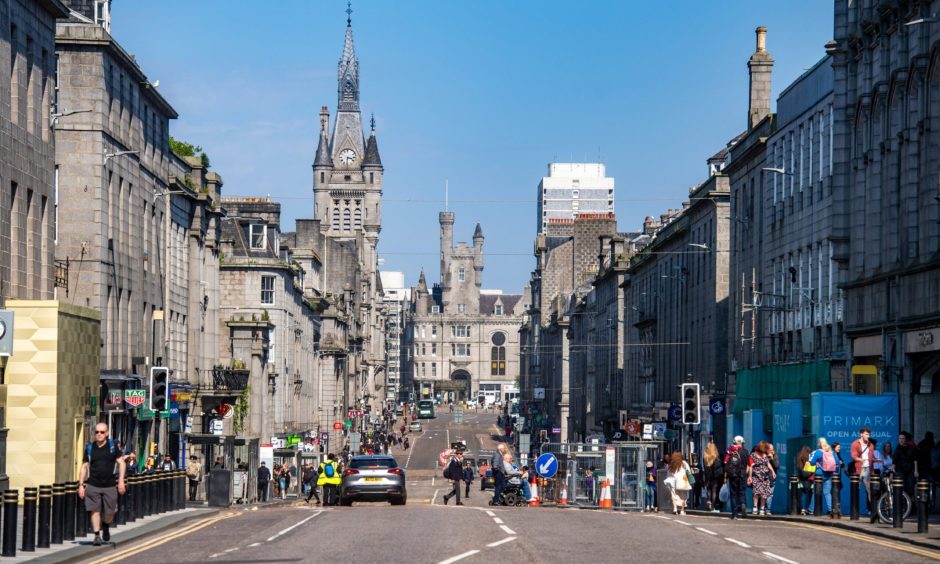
<point x="117" y="154"/>
<point x="777" y="170"/>
<point x="932" y="18"/>
<point x="54" y="116"/>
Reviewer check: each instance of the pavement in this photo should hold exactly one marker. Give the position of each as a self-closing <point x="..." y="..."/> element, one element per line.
<point x="425" y="530"/>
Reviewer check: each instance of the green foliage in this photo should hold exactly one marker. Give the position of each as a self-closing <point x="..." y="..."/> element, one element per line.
<point x="184" y="149"/>
<point x="241" y="410"/>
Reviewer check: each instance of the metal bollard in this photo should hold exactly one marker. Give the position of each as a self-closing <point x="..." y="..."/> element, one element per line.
<point x="10" y="498"/>
<point x="855" y="482"/>
<point x="836" y="496"/>
<point x="817" y="495"/>
<point x="147" y="498"/>
<point x="164" y="492"/>
<point x="45" y="513"/>
<point x="71" y="498"/>
<point x="897" y="491"/>
<point x="794" y="495"/>
<point x="873" y="500"/>
<point x="120" y="518"/>
<point x="30" y="499"/>
<point x="131" y="483"/>
<point x="923" y="496"/>
<point x="181" y="484"/>
<point x="172" y="500"/>
<point x="82" y="519"/>
<point x="58" y="513"/>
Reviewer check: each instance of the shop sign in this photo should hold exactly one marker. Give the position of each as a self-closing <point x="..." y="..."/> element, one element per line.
<point x="113" y="399"/>
<point x="135" y="398"/>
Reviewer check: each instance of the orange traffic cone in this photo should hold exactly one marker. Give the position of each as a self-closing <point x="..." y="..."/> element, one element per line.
<point x="534" y="502"/>
<point x="564" y="494"/>
<point x="605" y="501"/>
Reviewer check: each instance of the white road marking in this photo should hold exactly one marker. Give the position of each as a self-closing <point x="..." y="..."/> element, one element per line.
<point x="706" y="531"/>
<point x="231" y="549"/>
<point x="683" y="523"/>
<point x="432" y="481"/>
<point x="507" y="530"/>
<point x="664" y="517"/>
<point x="504" y="541"/>
<point x="294" y="526"/>
<point x="490" y="513"/>
<point x="254" y="544"/>
<point x="780" y="558"/>
<point x="459" y="557"/>
<point x="434" y="497"/>
<point x="216" y="555"/>
<point x="739" y="543"/>
<point x="498" y="520"/>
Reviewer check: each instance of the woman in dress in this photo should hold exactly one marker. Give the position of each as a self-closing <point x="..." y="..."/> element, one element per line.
<point x="678" y="482"/>
<point x="761" y="476"/>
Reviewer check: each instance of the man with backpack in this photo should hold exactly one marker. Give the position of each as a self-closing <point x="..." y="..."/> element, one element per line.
<point x="736" y="463"/>
<point x="96" y="482"/>
<point x="454" y="472"/>
<point x="329" y="479"/>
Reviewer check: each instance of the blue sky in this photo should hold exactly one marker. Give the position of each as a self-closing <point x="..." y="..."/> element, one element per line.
<point x="483" y="93"/>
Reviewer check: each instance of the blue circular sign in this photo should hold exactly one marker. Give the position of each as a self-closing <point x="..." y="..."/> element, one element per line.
<point x="675" y="413"/>
<point x="717" y="406"/>
<point x="547" y="465"/>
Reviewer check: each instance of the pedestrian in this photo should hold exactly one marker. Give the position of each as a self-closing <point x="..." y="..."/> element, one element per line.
<point x="499" y="477"/>
<point x="651" y="504"/>
<point x="695" y="496"/>
<point x="149" y="465"/>
<point x="194" y="475"/>
<point x="713" y="475"/>
<point x="130" y="461"/>
<point x="825" y="462"/>
<point x="168" y="465"/>
<point x="679" y="483"/>
<point x="283" y="480"/>
<point x="862" y="451"/>
<point x="218" y="463"/>
<point x="905" y="461"/>
<point x="264" y="477"/>
<point x="775" y="464"/>
<point x="887" y="454"/>
<point x="589" y="484"/>
<point x="761" y="477"/>
<point x="806" y="472"/>
<point x="310" y="479"/>
<point x="97" y="484"/>
<point x="524" y="478"/>
<point x="736" y="462"/>
<point x="454" y="472"/>
<point x="467" y="478"/>
<point x="329" y="479"/>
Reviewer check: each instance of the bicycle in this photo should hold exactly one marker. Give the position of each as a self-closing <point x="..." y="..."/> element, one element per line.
<point x="885" y="507"/>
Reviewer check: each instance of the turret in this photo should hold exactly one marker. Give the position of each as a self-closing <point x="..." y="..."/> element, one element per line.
<point x="421" y="295"/>
<point x="478" y="254"/>
<point x="446" y="220"/>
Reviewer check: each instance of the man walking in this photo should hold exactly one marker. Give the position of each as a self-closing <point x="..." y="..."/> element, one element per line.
<point x="862" y="452"/>
<point x="467" y="478"/>
<point x="454" y="472"/>
<point x="310" y="478"/>
<point x="194" y="474"/>
<point x="499" y="477"/>
<point x="736" y="463"/>
<point x="264" y="476"/>
<point x="96" y="482"/>
<point x="329" y="479"/>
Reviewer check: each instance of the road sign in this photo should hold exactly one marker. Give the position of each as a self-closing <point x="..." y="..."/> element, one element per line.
<point x="675" y="413"/>
<point x="633" y="427"/>
<point x="135" y="398"/>
<point x="337" y="425"/>
<point x="546" y="465"/>
<point x="647" y="432"/>
<point x="458" y="416"/>
<point x="659" y="430"/>
<point x="717" y="406"/>
<point x="324" y="436"/>
<point x="217" y="427"/>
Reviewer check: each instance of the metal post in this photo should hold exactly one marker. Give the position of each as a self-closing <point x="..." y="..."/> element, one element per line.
<point x="855" y="482"/>
<point x="129" y="499"/>
<point x="817" y="495"/>
<point x="165" y="492"/>
<point x="875" y="487"/>
<point x="30" y="499"/>
<point x="58" y="513"/>
<point x="836" y="496"/>
<point x="149" y="483"/>
<point x="794" y="495"/>
<point x="10" y="508"/>
<point x="923" y="495"/>
<point x="897" y="490"/>
<point x="71" y="496"/>
<point x="82" y="518"/>
<point x="183" y="494"/>
<point x="45" y="513"/>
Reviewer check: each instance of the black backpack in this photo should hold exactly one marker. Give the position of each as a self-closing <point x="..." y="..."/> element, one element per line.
<point x="736" y="465"/>
<point x="453" y="471"/>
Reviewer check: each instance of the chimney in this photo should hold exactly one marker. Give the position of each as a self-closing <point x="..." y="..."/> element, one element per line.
<point x="759" y="66"/>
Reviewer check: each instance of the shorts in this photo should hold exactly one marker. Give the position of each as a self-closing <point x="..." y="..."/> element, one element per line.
<point x="103" y="500"/>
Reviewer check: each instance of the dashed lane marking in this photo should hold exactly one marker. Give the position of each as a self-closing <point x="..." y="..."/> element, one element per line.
<point x="254" y="544"/>
<point x="779" y="558"/>
<point x="737" y="542"/>
<point x="507" y="530"/>
<point x="706" y="531"/>
<point x="498" y="520"/>
<point x="664" y="517"/>
<point x="490" y="513"/>
<point x="932" y="555"/>
<point x="294" y="526"/>
<point x="499" y="542"/>
<point x="459" y="557"/>
<point x="683" y="523"/>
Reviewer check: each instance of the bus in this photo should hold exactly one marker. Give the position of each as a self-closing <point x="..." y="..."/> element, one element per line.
<point x="426" y="409"/>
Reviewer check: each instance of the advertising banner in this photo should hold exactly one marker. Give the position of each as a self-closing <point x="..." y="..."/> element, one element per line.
<point x="788" y="423"/>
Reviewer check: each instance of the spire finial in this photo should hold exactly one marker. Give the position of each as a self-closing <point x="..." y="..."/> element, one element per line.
<point x="349" y="12"/>
<point x="372" y="123"/>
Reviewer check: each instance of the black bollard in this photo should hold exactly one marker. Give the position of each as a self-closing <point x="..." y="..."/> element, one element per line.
<point x="183" y="493"/>
<point x="875" y="487"/>
<point x="10" y="498"/>
<point x="171" y="486"/>
<point x="855" y="482"/>
<point x="71" y="497"/>
<point x="82" y="519"/>
<point x="897" y="497"/>
<point x="45" y="514"/>
<point x="130" y="482"/>
<point x="58" y="513"/>
<point x="923" y="496"/>
<point x="120" y="518"/>
<point x="146" y="495"/>
<point x="30" y="500"/>
<point x="836" y="496"/>
<point x="163" y="493"/>
<point x="817" y="495"/>
<point x="794" y="495"/>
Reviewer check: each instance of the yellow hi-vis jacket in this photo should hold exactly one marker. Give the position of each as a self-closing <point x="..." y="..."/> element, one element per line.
<point x="324" y="479"/>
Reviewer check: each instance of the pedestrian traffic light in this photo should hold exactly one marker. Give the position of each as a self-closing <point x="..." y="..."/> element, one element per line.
<point x="159" y="388"/>
<point x="691" y="402"/>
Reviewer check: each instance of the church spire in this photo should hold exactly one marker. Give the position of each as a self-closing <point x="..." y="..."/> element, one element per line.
<point x="348" y="70"/>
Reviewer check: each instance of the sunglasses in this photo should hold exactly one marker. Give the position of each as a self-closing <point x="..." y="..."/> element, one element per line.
<point x="101" y="432"/>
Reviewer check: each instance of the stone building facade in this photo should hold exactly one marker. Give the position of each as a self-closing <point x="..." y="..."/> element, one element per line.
<point x="571" y="189"/>
<point x="886" y="214"/>
<point x="463" y="341"/>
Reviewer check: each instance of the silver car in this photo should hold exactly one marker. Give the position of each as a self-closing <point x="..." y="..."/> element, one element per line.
<point x="414" y="426"/>
<point x="373" y="478"/>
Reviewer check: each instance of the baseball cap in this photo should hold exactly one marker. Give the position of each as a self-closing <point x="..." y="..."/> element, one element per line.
<point x="739" y="440"/>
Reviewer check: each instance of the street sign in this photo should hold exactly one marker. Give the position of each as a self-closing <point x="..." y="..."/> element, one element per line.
<point x="633" y="427"/>
<point x="539" y="394"/>
<point x="135" y="398"/>
<point x="659" y="430"/>
<point x="458" y="416"/>
<point x="675" y="413"/>
<point x="324" y="436"/>
<point x="217" y="427"/>
<point x="546" y="465"/>
<point x="716" y="406"/>
<point x="556" y="430"/>
<point x="337" y="425"/>
<point x="524" y="444"/>
<point x="647" y="432"/>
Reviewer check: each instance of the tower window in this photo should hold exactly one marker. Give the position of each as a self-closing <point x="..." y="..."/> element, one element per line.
<point x="358" y="218"/>
<point x="371" y="178"/>
<point x="322" y="177"/>
<point x="346" y="220"/>
<point x="461" y="308"/>
<point x="461" y="274"/>
<point x="498" y="310"/>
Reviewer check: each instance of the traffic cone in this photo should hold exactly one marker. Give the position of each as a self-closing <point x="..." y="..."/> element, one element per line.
<point x="534" y="502"/>
<point x="564" y="494"/>
<point x="605" y="502"/>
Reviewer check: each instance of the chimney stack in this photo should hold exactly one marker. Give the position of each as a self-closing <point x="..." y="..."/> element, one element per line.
<point x="760" y="67"/>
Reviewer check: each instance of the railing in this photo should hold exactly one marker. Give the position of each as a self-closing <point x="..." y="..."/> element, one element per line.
<point x="230" y="379"/>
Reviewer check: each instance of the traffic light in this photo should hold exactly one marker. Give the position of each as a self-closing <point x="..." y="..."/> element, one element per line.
<point x="159" y="388"/>
<point x="691" y="402"/>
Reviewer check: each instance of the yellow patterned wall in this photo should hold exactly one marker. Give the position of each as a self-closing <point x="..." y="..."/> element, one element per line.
<point x="53" y="372"/>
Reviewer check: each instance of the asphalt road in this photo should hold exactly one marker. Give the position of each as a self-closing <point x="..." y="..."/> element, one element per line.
<point x="427" y="531"/>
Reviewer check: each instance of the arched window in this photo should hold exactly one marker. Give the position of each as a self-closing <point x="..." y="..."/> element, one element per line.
<point x="498" y="354"/>
<point x="336" y="219"/>
<point x="358" y="219"/>
<point x="346" y="219"/>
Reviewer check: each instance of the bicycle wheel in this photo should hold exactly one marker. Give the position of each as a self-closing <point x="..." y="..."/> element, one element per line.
<point x="885" y="512"/>
<point x="907" y="505"/>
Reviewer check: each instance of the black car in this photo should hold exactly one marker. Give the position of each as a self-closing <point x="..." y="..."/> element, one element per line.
<point x="373" y="478"/>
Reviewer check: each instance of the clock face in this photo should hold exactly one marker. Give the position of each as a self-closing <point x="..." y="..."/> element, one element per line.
<point x="348" y="86"/>
<point x="347" y="156"/>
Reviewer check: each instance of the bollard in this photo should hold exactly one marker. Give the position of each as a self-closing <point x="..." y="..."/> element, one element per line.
<point x="897" y="498"/>
<point x="875" y="487"/>
<point x="794" y="495"/>
<point x="164" y="492"/>
<point x="82" y="519"/>
<point x="923" y="497"/>
<point x="836" y="496"/>
<point x="817" y="495"/>
<point x="45" y="514"/>
<point x="10" y="508"/>
<point x="130" y="482"/>
<point x="146" y="498"/>
<point x="58" y="513"/>
<point x="855" y="482"/>
<point x="71" y="496"/>
<point x="120" y="518"/>
<point x="184" y="494"/>
<point x="30" y="500"/>
<point x="171" y="486"/>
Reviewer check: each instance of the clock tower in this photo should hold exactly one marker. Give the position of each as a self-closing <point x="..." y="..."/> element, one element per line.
<point x="347" y="170"/>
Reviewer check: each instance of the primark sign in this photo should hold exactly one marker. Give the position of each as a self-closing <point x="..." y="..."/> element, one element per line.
<point x="838" y="416"/>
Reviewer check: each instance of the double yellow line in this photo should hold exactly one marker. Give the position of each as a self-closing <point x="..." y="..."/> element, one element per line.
<point x="932" y="555"/>
<point x="157" y="541"/>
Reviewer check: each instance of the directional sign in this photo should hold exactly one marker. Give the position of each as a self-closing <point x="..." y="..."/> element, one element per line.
<point x="547" y="465"/>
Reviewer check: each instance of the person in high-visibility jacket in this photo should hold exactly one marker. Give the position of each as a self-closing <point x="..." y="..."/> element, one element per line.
<point x="329" y="479"/>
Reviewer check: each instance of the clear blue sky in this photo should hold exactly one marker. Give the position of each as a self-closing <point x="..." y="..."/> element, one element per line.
<point x="484" y="93"/>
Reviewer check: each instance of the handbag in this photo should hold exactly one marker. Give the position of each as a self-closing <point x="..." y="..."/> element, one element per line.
<point x="690" y="477"/>
<point x="811" y="468"/>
